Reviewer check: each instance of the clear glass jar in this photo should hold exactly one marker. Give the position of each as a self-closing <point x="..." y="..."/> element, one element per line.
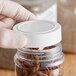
<point x="48" y="61"/>
<point x="36" y="6"/>
<point x="43" y="9"/>
<point x="42" y="56"/>
<point x="67" y="18"/>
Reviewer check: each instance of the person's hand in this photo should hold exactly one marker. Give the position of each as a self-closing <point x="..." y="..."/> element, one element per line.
<point x="10" y="12"/>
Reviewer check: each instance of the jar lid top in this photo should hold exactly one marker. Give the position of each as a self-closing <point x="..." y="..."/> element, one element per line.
<point x="40" y="33"/>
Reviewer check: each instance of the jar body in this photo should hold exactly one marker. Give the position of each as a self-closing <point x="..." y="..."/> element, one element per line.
<point x="67" y="18"/>
<point x="40" y="62"/>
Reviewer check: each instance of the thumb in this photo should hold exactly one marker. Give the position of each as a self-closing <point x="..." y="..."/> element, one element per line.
<point x="11" y="39"/>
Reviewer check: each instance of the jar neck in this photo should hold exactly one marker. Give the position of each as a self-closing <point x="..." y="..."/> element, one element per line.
<point x="41" y="54"/>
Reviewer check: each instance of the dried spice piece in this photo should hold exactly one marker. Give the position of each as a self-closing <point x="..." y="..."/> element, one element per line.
<point x="49" y="47"/>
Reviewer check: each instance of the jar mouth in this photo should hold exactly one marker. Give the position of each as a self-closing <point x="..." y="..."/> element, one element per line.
<point x="53" y="49"/>
<point x="44" y="55"/>
<point x="53" y="56"/>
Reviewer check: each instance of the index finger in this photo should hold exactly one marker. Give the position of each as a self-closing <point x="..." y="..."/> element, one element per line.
<point x="15" y="11"/>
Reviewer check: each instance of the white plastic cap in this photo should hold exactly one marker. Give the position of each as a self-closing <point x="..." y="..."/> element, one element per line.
<point x="40" y="33"/>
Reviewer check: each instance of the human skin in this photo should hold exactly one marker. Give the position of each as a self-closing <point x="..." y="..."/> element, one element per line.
<point x="10" y="12"/>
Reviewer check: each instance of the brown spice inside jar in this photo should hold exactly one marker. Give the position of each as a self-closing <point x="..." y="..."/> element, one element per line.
<point x="36" y="68"/>
<point x="28" y="68"/>
<point x="45" y="48"/>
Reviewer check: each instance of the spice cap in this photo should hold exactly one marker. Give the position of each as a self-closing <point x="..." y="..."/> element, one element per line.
<point x="40" y="33"/>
